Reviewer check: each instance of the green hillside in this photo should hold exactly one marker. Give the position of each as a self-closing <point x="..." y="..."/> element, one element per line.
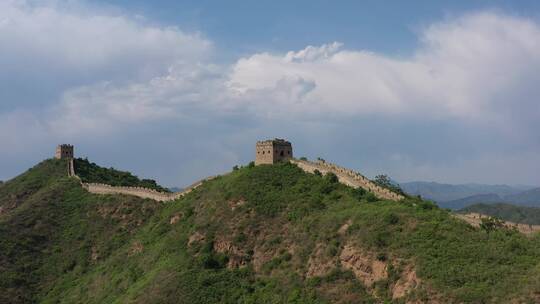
<point x="265" y="234"/>
<point x="507" y="212"/>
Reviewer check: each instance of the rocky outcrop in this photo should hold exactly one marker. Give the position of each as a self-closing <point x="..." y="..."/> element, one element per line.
<point x="407" y="282"/>
<point x="365" y="267"/>
<point x="319" y="264"/>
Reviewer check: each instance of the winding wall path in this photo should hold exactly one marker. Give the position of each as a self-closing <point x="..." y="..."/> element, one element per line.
<point x="347" y="177"/>
<point x="142" y="192"/>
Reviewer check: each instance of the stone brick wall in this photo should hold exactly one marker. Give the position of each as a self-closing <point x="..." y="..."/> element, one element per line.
<point x="64" y="152"/>
<point x="272" y="151"/>
<point x="347" y="177"/>
<point x="142" y="192"/>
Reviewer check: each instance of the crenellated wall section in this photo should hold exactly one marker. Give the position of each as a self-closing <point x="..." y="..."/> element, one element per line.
<point x="347" y="177"/>
<point x="141" y="192"/>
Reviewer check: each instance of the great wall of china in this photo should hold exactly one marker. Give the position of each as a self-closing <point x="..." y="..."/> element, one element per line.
<point x="282" y="152"/>
<point x="347" y="177"/>
<point x="141" y="192"/>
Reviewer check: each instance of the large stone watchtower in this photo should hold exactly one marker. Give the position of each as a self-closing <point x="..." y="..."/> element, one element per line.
<point x="64" y="152"/>
<point x="272" y="151"/>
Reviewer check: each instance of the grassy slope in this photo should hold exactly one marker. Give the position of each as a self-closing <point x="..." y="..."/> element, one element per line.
<point x="507" y="212"/>
<point x="50" y="227"/>
<point x="146" y="259"/>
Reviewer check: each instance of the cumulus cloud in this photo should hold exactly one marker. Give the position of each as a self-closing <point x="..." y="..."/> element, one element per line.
<point x="471" y="68"/>
<point x="112" y="76"/>
<point x="47" y="49"/>
<point x="478" y="68"/>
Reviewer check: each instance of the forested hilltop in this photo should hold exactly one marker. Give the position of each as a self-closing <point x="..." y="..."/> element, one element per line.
<point x="261" y="234"/>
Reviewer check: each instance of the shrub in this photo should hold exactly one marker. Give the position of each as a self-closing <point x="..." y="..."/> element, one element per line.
<point x="370" y="197"/>
<point x="391" y="219"/>
<point x="331" y="178"/>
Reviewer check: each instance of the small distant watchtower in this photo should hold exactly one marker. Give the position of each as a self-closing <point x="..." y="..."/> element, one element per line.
<point x="272" y="151"/>
<point x="64" y="152"/>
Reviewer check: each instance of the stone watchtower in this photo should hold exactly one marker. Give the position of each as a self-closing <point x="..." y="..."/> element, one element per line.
<point x="272" y="151"/>
<point x="64" y="152"/>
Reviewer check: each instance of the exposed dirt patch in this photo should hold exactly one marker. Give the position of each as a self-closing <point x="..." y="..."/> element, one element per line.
<point x="123" y="213"/>
<point x="94" y="255"/>
<point x="364" y="266"/>
<point x="175" y="218"/>
<point x="319" y="263"/>
<point x="261" y="257"/>
<point x="237" y="257"/>
<point x="343" y="229"/>
<point x="235" y="204"/>
<point x="196" y="237"/>
<point x="136" y="248"/>
<point x="406" y="283"/>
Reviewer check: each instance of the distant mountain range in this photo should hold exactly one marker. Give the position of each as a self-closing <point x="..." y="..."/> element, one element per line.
<point x="462" y="195"/>
<point x="175" y="189"/>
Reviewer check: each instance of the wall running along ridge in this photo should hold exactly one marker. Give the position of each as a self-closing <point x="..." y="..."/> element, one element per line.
<point x="347" y="177"/>
<point x="142" y="192"/>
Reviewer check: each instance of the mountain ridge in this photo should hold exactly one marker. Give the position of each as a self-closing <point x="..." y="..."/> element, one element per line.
<point x="270" y="233"/>
<point x="456" y="196"/>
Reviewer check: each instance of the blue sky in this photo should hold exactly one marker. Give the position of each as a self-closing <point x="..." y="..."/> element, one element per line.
<point x="177" y="90"/>
<point x="242" y="27"/>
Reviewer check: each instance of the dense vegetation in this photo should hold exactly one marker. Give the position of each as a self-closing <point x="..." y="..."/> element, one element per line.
<point x="247" y="237"/>
<point x="384" y="181"/>
<point x="507" y="212"/>
<point x="91" y="173"/>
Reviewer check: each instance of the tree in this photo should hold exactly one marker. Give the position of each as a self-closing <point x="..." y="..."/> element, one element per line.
<point x="491" y="224"/>
<point x="384" y="181"/>
<point x="331" y="177"/>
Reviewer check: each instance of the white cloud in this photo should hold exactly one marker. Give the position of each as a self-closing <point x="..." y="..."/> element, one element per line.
<point x="113" y="74"/>
<point x="472" y="68"/>
<point x="62" y="45"/>
<point x="468" y="68"/>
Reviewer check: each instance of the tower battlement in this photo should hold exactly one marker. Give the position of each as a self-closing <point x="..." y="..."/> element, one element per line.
<point x="64" y="151"/>
<point x="272" y="151"/>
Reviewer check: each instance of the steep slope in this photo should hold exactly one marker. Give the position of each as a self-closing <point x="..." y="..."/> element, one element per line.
<point x="507" y="212"/>
<point x="50" y="228"/>
<point x="265" y="234"/>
